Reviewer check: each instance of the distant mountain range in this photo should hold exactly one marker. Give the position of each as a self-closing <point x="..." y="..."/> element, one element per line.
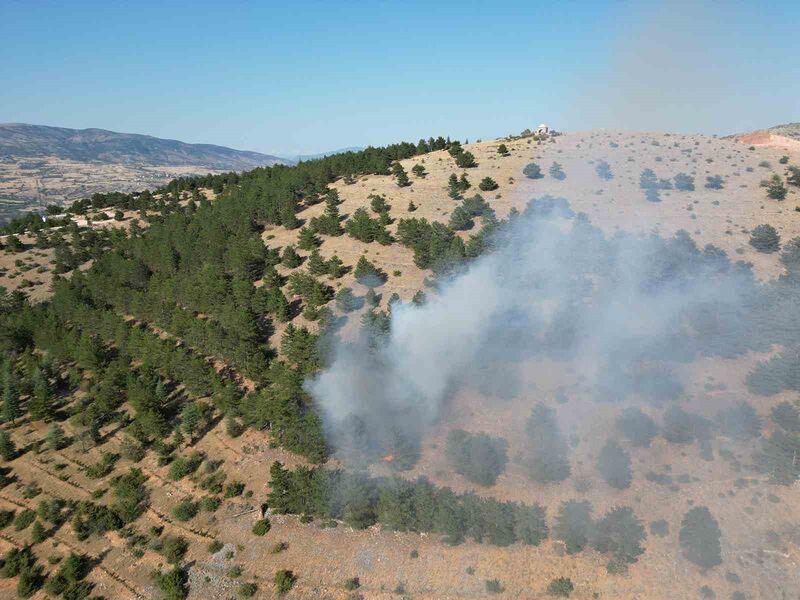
<point x="42" y="165"/>
<point x="99" y="145"/>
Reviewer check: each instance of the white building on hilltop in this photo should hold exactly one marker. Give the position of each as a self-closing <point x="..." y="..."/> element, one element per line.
<point x="544" y="129"/>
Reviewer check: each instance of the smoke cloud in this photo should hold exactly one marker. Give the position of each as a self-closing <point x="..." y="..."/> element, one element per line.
<point x="626" y="309"/>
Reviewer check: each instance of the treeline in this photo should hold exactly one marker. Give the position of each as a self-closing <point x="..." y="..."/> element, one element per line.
<point x="419" y="506"/>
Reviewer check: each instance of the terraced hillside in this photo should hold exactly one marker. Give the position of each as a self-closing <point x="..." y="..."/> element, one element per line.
<point x="151" y="386"/>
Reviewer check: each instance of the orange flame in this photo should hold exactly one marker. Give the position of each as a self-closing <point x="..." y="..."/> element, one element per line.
<point x="388" y="458"/>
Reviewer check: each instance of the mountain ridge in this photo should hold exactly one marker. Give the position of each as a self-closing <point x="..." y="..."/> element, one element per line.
<point x="106" y="146"/>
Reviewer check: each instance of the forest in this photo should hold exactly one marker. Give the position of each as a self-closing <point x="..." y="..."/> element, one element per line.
<point x="165" y="336"/>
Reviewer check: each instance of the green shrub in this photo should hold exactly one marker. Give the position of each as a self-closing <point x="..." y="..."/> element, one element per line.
<point x="185" y="510"/>
<point x="765" y="238"/>
<point x="532" y="171"/>
<point x="261" y="527"/>
<point x="561" y="587"/>
<point x="24" y="519"/>
<point x="478" y="457"/>
<point x="493" y="586"/>
<point x="488" y="184"/>
<point x="352" y="584"/>
<point x="284" y="580"/>
<point x="700" y="538"/>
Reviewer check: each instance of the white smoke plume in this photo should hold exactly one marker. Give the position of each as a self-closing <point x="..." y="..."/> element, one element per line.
<point x="625" y="308"/>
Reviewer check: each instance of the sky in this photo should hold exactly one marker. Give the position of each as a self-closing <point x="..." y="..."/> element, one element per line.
<point x="299" y="77"/>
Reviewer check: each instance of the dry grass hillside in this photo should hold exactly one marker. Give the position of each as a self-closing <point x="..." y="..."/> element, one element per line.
<point x="761" y="544"/>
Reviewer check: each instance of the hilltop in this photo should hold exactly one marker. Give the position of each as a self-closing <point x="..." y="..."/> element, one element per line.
<point x="173" y="348"/>
<point x="40" y="165"/>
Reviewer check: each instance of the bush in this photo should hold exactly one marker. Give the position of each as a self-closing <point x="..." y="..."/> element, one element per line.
<point x="478" y="457"/>
<point x="700" y="538"/>
<point x="465" y="160"/>
<point x="247" y="590"/>
<point x="173" y="584"/>
<point x="233" y="489"/>
<point x="603" y="170"/>
<point x="493" y="586"/>
<point x="765" y="238"/>
<point x="185" y="465"/>
<point x="548" y="454"/>
<point x="487" y="184"/>
<point x="532" y="171"/>
<point x="714" y="182"/>
<point x="557" y="172"/>
<point x="620" y="533"/>
<point x="659" y="528"/>
<point x="261" y="527"/>
<point x="174" y="549"/>
<point x="775" y="188"/>
<point x="368" y="274"/>
<point x="614" y="464"/>
<point x="352" y="584"/>
<point x="561" y="587"/>
<point x="185" y="510"/>
<point x="400" y="175"/>
<point x="740" y="421"/>
<point x="684" y="182"/>
<point x="639" y="428"/>
<point x="786" y="416"/>
<point x="284" y="580"/>
<point x="24" y="519"/>
<point x="574" y="525"/>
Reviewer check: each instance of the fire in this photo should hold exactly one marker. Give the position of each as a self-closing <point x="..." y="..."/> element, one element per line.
<point x="388" y="458"/>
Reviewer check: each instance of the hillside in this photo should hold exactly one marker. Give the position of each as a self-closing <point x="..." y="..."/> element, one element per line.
<point x="558" y="365"/>
<point x="41" y="165"/>
<point x="780" y="136"/>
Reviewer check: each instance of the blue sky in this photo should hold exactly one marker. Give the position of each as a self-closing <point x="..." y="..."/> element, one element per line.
<point x="296" y="77"/>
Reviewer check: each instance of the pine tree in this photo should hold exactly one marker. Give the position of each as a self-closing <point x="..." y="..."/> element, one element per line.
<point x="765" y="238"/>
<point x="453" y="189"/>
<point x="793" y="176"/>
<point x="502" y="150"/>
<point x="290" y="258"/>
<point x="532" y="171"/>
<point x="465" y="160"/>
<point x="400" y="174"/>
<point x="418" y="170"/>
<point x="368" y="274"/>
<point x="487" y="184"/>
<point x="335" y="267"/>
<point x="40" y="404"/>
<point x="574" y="525"/>
<point x="548" y="455"/>
<point x="307" y="239"/>
<point x="775" y="188"/>
<point x="11" y="408"/>
<point x="700" y="538"/>
<point x="556" y="172"/>
<point x="614" y="465"/>
<point x="8" y="451"/>
<point x="316" y="264"/>
<point x="56" y="439"/>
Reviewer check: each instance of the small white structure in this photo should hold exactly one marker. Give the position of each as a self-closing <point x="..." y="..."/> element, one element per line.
<point x="543" y="129"/>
